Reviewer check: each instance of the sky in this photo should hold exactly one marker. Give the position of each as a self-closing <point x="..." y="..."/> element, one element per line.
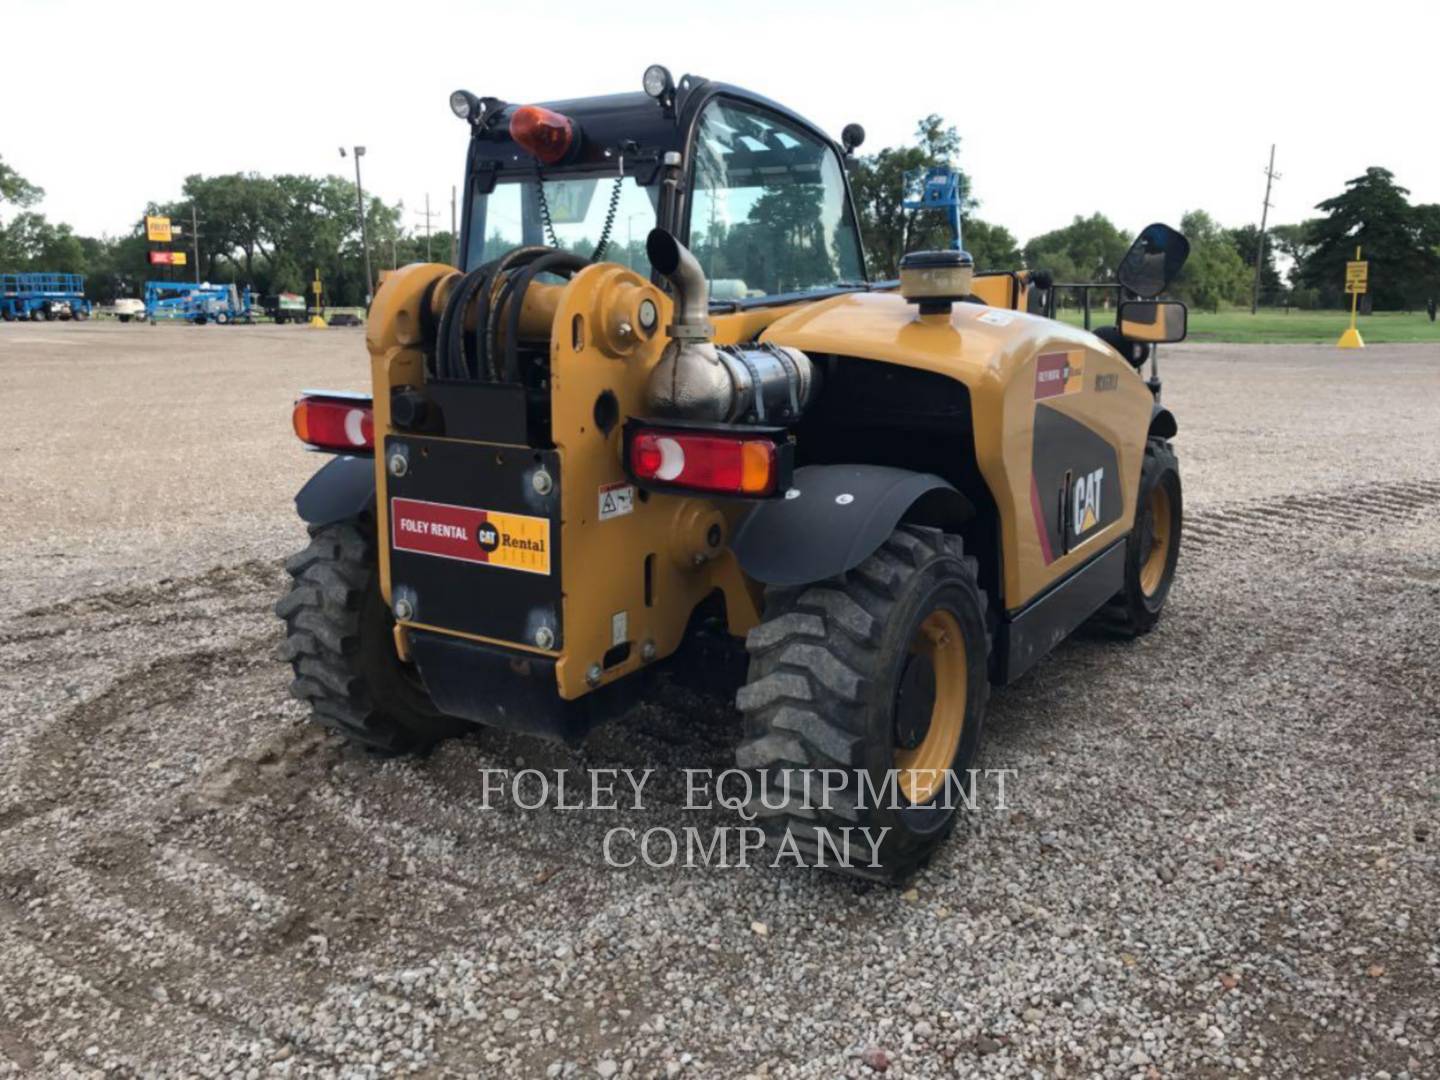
<point x="1140" y="112"/>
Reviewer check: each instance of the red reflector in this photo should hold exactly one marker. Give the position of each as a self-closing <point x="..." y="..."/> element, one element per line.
<point x="335" y="423"/>
<point x="705" y="462"/>
<point x="545" y="134"/>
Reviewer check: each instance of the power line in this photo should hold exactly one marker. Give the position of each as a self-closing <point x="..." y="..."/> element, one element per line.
<point x="427" y="214"/>
<point x="1270" y="177"/>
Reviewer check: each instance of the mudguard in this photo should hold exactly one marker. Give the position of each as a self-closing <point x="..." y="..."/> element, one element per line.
<point x="343" y="488"/>
<point x="1162" y="422"/>
<point x="835" y="516"/>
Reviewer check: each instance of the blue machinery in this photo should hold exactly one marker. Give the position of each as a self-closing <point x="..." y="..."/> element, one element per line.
<point x="43" y="296"/>
<point x="197" y="303"/>
<point x="935" y="188"/>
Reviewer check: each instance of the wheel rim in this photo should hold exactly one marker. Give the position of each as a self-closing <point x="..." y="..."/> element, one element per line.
<point x="1152" y="570"/>
<point x="920" y="768"/>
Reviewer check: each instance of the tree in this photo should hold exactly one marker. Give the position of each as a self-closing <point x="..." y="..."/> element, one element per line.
<point x="878" y="184"/>
<point x="14" y="188"/>
<point x="991" y="246"/>
<point x="1088" y="249"/>
<point x="1245" y="240"/>
<point x="1214" y="273"/>
<point x="1396" y="238"/>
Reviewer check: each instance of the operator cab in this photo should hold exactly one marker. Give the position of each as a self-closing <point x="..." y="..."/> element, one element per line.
<point x="757" y="193"/>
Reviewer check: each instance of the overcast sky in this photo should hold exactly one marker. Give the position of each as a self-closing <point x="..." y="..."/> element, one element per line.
<point x="1138" y="111"/>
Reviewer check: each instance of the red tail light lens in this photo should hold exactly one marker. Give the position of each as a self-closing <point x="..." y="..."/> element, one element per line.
<point x="544" y="134"/>
<point x="335" y="423"/>
<point x="729" y="465"/>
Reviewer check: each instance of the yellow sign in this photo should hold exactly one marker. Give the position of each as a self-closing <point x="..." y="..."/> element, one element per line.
<point x="157" y="229"/>
<point x="1357" y="273"/>
<point x="177" y="258"/>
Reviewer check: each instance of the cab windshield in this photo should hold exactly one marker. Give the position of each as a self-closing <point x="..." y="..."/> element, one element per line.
<point x="768" y="212"/>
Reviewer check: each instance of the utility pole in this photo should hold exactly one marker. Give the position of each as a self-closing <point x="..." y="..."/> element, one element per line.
<point x="452" y="226"/>
<point x="364" y="230"/>
<point x="195" y="239"/>
<point x="1270" y="177"/>
<point x="427" y="215"/>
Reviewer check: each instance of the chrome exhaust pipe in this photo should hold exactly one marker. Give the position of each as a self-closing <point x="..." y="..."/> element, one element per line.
<point x="695" y="380"/>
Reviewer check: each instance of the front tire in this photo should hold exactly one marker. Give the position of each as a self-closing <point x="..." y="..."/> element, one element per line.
<point x="882" y="674"/>
<point x="1154" y="549"/>
<point x="339" y="639"/>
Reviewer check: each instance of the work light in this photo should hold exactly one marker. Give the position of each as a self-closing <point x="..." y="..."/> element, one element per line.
<point x="463" y="104"/>
<point x="657" y="81"/>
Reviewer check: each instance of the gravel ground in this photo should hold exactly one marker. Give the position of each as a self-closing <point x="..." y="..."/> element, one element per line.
<point x="1219" y="853"/>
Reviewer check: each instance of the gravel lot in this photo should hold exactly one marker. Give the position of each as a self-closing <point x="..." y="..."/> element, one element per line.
<point x="1221" y="851"/>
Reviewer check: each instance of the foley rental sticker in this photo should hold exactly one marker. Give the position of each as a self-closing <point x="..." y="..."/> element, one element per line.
<point x="490" y="537"/>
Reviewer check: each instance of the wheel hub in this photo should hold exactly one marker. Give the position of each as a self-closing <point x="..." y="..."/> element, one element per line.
<point x="915" y="702"/>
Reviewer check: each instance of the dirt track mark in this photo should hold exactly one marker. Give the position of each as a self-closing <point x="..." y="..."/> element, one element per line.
<point x="219" y="582"/>
<point x="1364" y="506"/>
<point x="67" y="756"/>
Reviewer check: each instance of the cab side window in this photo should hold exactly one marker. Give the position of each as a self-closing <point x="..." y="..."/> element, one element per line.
<point x="768" y="212"/>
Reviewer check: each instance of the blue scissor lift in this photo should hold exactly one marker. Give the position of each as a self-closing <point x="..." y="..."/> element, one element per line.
<point x="43" y="296"/>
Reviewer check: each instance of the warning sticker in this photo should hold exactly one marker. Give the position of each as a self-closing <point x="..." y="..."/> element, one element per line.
<point x="616" y="500"/>
<point x="1059" y="373"/>
<point x="491" y="537"/>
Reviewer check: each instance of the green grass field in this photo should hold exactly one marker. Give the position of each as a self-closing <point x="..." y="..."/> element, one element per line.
<point x="1275" y="326"/>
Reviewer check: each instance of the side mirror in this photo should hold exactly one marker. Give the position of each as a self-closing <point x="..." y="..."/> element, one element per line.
<point x="852" y="137"/>
<point x="1155" y="321"/>
<point x="1153" y="261"/>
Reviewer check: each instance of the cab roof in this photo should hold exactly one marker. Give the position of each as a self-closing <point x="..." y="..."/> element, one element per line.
<point x="611" y="124"/>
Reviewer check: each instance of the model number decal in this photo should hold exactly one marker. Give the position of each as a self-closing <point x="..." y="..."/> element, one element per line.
<point x="469" y="534"/>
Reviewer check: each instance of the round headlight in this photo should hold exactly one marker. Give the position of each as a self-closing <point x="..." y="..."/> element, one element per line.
<point x="657" y="81"/>
<point x="460" y="103"/>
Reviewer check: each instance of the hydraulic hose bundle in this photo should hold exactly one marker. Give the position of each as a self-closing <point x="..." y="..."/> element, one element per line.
<point x="494" y="291"/>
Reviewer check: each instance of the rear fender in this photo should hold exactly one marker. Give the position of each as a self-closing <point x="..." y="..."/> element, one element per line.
<point x="343" y="488"/>
<point x="835" y="516"/>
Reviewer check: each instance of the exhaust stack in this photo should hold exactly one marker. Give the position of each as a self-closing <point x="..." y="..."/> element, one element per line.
<point x="728" y="384"/>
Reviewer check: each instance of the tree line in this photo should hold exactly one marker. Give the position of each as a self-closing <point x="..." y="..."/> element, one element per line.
<point x="1400" y="240"/>
<point x="274" y="232"/>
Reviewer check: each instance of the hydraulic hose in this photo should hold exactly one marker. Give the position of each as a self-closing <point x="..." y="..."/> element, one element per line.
<point x="555" y="262"/>
<point x="450" y="359"/>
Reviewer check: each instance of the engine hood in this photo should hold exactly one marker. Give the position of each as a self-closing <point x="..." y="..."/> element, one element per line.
<point x="972" y="343"/>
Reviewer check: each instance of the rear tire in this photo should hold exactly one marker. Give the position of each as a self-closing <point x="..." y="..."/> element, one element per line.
<point x="1154" y="549"/>
<point x="340" y="642"/>
<point x="882" y="671"/>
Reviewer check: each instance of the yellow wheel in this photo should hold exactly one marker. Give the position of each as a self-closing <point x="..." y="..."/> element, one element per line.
<point x="1152" y="569"/>
<point x="1154" y="546"/>
<point x="866" y="694"/>
<point x="930" y="706"/>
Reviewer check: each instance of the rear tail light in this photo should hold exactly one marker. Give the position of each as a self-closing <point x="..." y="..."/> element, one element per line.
<point x="335" y="422"/>
<point x="544" y="134"/>
<point x="726" y="464"/>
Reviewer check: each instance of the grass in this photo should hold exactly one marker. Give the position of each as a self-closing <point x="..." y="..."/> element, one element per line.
<point x="1276" y="326"/>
